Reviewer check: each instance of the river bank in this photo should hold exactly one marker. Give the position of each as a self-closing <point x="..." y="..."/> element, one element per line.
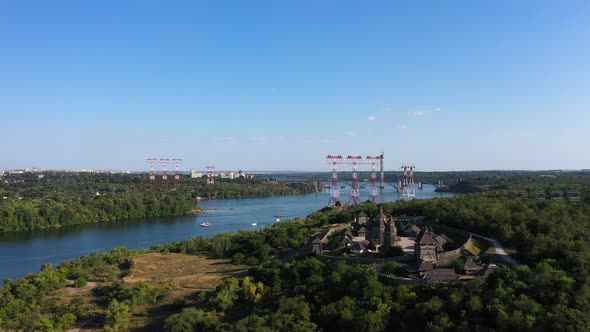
<point x="31" y="203"/>
<point x="24" y="252"/>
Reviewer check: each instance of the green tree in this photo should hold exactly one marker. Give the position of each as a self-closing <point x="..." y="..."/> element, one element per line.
<point x="226" y="294"/>
<point x="80" y="282"/>
<point x="117" y="316"/>
<point x="65" y="321"/>
<point x="252" y="292"/>
<point x="339" y="315"/>
<point x="191" y="319"/>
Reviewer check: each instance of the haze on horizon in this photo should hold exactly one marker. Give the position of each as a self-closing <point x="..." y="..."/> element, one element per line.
<point x="269" y="85"/>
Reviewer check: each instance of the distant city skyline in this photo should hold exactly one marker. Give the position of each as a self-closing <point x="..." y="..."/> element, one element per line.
<point x="268" y="85"/>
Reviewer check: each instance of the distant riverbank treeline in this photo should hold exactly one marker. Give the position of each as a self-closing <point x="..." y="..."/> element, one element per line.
<point x="464" y="182"/>
<point x="30" y="202"/>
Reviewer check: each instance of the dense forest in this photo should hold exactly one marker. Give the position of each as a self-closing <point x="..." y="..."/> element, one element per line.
<point x="30" y="201"/>
<point x="287" y="289"/>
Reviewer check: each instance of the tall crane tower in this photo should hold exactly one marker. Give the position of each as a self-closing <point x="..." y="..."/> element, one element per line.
<point x="373" y="162"/>
<point x="164" y="161"/>
<point x="177" y="174"/>
<point x="407" y="184"/>
<point x="152" y="174"/>
<point x="210" y="177"/>
<point x="335" y="190"/>
<point x="382" y="186"/>
<point x="356" y="195"/>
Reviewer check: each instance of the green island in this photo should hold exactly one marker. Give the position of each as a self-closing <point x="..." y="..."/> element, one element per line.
<point x="272" y="280"/>
<point x="33" y="201"/>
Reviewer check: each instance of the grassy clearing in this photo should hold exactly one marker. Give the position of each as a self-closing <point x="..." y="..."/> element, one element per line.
<point x="184" y="276"/>
<point x="180" y="276"/>
<point x="473" y="248"/>
<point x="183" y="271"/>
<point x="480" y="247"/>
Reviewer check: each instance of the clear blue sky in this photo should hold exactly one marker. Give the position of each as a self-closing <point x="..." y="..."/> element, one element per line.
<point x="448" y="85"/>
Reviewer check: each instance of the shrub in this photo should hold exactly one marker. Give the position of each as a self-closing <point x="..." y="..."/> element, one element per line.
<point x="80" y="282"/>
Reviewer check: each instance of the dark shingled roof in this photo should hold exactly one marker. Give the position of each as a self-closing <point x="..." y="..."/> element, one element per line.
<point x="427" y="239"/>
<point x="362" y="214"/>
<point x="441" y="275"/>
<point x="381" y="216"/>
<point x="415" y="229"/>
<point x="360" y="246"/>
<point x="419" y="267"/>
<point x="412" y="231"/>
<point x="348" y="238"/>
<point x="362" y="230"/>
<point x="470" y="265"/>
<point x="425" y="266"/>
<point x="316" y="241"/>
<point x="440" y="240"/>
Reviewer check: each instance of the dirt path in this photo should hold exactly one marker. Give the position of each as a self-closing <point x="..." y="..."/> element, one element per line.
<point x="499" y="250"/>
<point x="71" y="291"/>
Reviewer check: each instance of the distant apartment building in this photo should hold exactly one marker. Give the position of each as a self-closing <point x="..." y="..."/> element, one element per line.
<point x="195" y="174"/>
<point x="223" y="175"/>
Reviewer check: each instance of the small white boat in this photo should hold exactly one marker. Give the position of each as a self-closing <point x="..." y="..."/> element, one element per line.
<point x="205" y="224"/>
<point x="253" y="224"/>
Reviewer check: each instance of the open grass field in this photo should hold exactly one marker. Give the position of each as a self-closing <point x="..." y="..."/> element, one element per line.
<point x="193" y="273"/>
<point x="184" y="276"/>
<point x="180" y="276"/>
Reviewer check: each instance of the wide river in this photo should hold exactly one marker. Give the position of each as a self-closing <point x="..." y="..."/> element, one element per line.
<point x="24" y="252"/>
